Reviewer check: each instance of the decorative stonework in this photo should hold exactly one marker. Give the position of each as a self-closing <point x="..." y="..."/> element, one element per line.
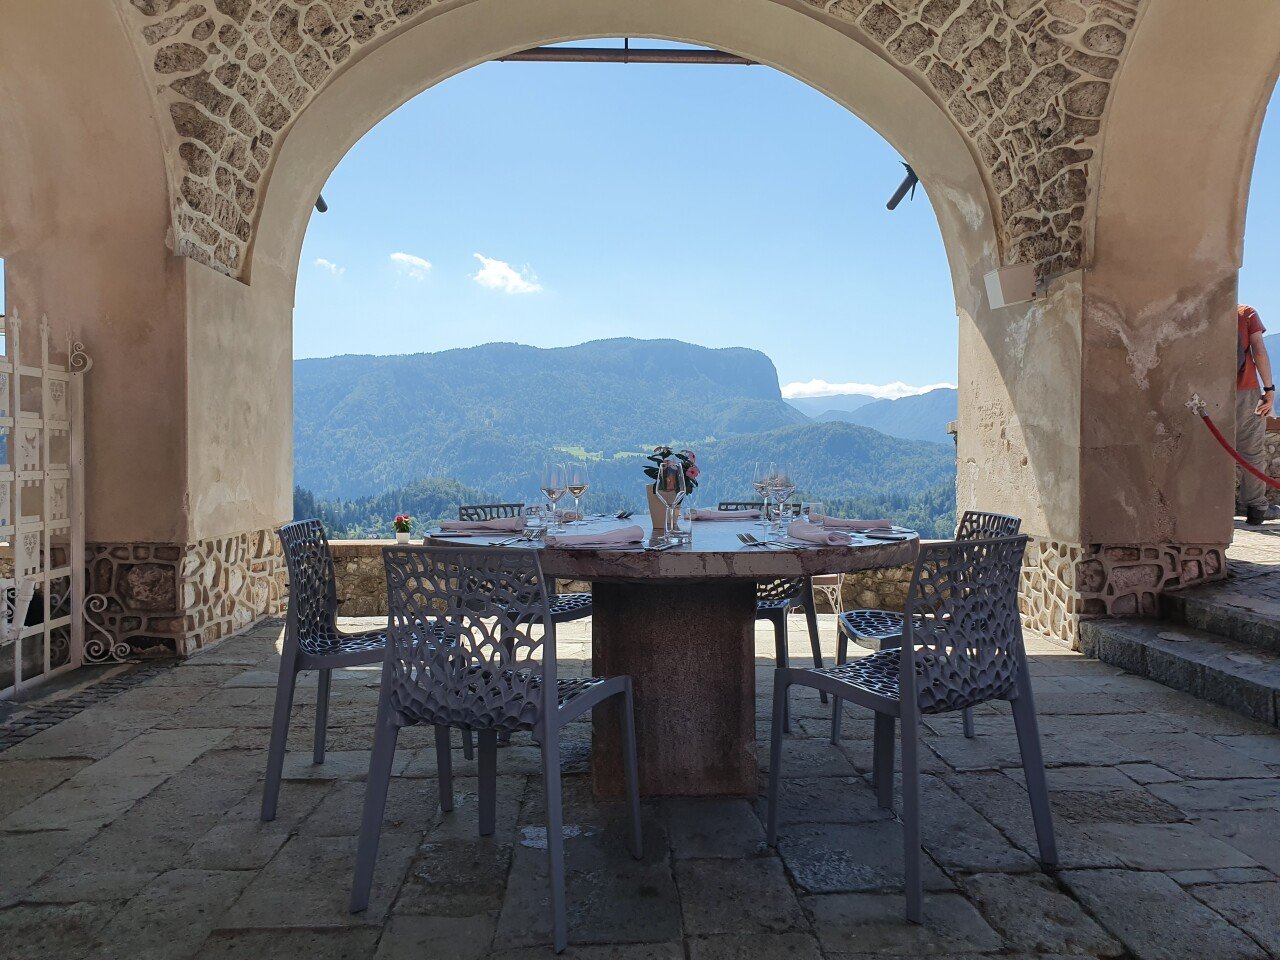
<point x="1063" y="582"/>
<point x="1027" y="81"/>
<point x="159" y="599"/>
<point x="1272" y="449"/>
<point x="1047" y="596"/>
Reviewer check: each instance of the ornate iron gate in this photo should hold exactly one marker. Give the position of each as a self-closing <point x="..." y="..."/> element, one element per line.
<point x="41" y="506"/>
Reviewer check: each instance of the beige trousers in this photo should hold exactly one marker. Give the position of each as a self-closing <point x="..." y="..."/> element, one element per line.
<point x="1251" y="432"/>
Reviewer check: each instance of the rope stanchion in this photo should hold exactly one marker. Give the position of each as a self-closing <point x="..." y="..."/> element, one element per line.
<point x="1198" y="407"/>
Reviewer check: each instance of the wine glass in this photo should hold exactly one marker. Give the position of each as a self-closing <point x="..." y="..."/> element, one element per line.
<point x="783" y="488"/>
<point x="762" y="483"/>
<point x="669" y="487"/>
<point x="577" y="484"/>
<point x="553" y="488"/>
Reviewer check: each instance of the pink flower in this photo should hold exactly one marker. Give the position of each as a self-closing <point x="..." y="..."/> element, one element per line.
<point x="692" y="472"/>
<point x="693" y="457"/>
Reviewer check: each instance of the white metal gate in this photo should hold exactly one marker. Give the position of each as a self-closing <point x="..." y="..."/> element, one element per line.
<point x="41" y="506"/>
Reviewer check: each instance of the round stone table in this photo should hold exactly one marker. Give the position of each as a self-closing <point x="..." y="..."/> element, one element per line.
<point x="681" y="623"/>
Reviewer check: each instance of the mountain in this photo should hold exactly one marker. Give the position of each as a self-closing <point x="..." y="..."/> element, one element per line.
<point x="921" y="417"/>
<point x="813" y="406"/>
<point x="487" y="416"/>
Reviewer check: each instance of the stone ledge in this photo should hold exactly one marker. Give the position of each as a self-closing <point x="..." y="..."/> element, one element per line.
<point x="363" y="589"/>
<point x="1230" y="674"/>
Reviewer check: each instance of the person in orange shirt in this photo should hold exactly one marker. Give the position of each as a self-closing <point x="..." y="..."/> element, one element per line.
<point x="1255" y="401"/>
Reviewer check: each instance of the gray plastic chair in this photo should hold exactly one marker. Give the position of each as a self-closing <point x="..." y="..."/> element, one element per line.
<point x="882" y="629"/>
<point x="495" y="673"/>
<point x="490" y="511"/>
<point x="564" y="606"/>
<point x="775" y="599"/>
<point x="312" y="641"/>
<point x="962" y="646"/>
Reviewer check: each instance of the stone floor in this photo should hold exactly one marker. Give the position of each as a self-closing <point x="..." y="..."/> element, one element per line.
<point x="129" y="830"/>
<point x="1254" y="551"/>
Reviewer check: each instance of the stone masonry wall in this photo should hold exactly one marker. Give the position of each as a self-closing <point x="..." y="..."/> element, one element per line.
<point x="1273" y="460"/>
<point x="1027" y="82"/>
<point x="1063" y="583"/>
<point x="158" y="599"/>
<point x="362" y="585"/>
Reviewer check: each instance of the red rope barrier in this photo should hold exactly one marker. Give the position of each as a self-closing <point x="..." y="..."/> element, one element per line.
<point x="1198" y="408"/>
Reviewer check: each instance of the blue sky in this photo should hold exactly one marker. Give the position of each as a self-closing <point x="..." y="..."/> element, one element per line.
<point x="727" y="206"/>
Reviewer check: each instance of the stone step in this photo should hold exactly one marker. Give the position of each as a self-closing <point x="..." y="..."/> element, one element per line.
<point x="1234" y="675"/>
<point x="1246" y="610"/>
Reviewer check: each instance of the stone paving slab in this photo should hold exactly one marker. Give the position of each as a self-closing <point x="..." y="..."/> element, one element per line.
<point x="130" y="830"/>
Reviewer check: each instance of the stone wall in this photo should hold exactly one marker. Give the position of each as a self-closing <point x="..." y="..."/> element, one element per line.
<point x="1273" y="459"/>
<point x="362" y="585"/>
<point x="1063" y="583"/>
<point x="1027" y="81"/>
<point x="158" y="599"/>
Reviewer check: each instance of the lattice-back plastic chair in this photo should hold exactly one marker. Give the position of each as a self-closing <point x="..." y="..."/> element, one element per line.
<point x="312" y="641"/>
<point x="494" y="673"/>
<point x="962" y="646"/>
<point x="490" y="511"/>
<point x="881" y="629"/>
<point x="564" y="606"/>
<point x="775" y="599"/>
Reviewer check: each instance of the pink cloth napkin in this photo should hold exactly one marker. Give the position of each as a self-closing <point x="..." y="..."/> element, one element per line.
<point x="568" y="515"/>
<point x="605" y="538"/>
<point x="812" y="533"/>
<point x="859" y="526"/>
<point x="501" y="525"/>
<point x="725" y="514"/>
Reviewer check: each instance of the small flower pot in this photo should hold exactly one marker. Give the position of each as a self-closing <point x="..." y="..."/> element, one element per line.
<point x="402" y="536"/>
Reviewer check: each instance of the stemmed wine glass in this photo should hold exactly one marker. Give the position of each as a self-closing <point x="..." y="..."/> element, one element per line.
<point x="762" y="483"/>
<point x="577" y="484"/>
<point x="784" y="487"/>
<point x="553" y="488"/>
<point x="669" y="488"/>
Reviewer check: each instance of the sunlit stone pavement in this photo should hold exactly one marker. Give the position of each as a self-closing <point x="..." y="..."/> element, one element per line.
<point x="129" y="830"/>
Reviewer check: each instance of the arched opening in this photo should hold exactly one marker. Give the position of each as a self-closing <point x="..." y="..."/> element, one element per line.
<point x="1251" y="554"/>
<point x="801" y="47"/>
<point x="718" y="207"/>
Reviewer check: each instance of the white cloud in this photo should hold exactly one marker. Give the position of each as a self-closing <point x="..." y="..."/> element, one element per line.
<point x="500" y="275"/>
<point x="329" y="265"/>
<point x="886" y="391"/>
<point x="415" y="268"/>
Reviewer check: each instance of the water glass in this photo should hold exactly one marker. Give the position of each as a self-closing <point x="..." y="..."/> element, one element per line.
<point x="669" y="487"/>
<point x="811" y="511"/>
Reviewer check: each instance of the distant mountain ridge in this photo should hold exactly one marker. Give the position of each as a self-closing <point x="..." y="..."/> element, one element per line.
<point x="815" y="406"/>
<point x="376" y="436"/>
<point x="481" y="415"/>
<point x="921" y="417"/>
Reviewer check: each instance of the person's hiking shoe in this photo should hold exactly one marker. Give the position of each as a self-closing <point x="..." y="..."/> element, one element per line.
<point x="1254" y="517"/>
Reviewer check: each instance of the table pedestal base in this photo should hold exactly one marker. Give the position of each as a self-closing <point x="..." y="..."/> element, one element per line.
<point x="689" y="649"/>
